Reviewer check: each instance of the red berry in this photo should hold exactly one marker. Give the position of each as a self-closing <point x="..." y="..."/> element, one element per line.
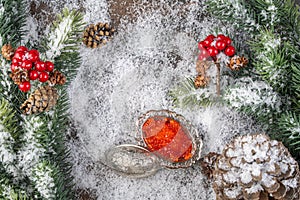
<point x="20" y="55"/>
<point x="33" y="55"/>
<point x="201" y="57"/>
<point x="230" y="51"/>
<point x="26" y="64"/>
<point x="204" y="53"/>
<point x="210" y="37"/>
<point x="201" y="45"/>
<point x="33" y="75"/>
<point x="14" y="66"/>
<point x="212" y="51"/>
<point x="15" y="60"/>
<point x="22" y="48"/>
<point x="227" y="40"/>
<point x="220" y="45"/>
<point x="207" y="43"/>
<point x="221" y="37"/>
<point x="24" y="86"/>
<point x="49" y="66"/>
<point x="43" y="77"/>
<point x="40" y="66"/>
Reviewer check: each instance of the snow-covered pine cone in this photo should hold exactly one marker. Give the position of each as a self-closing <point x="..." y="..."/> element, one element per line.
<point x="19" y="76"/>
<point x="7" y="51"/>
<point x="42" y="100"/>
<point x="257" y="168"/>
<point x="97" y="35"/>
<point x="237" y="62"/>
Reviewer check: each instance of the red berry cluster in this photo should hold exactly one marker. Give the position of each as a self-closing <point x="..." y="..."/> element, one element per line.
<point x="30" y="60"/>
<point x="212" y="46"/>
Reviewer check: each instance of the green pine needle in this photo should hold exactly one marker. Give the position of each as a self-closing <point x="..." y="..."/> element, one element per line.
<point x="185" y="95"/>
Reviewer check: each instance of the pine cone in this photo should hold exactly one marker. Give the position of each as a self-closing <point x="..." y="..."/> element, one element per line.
<point x="207" y="164"/>
<point x="42" y="100"/>
<point x="201" y="81"/>
<point x="255" y="167"/>
<point x="19" y="76"/>
<point x="57" y="77"/>
<point x="7" y="51"/>
<point x="97" y="35"/>
<point x="236" y="63"/>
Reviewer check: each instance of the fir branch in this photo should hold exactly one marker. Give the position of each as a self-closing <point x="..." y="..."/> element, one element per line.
<point x="65" y="35"/>
<point x="289" y="124"/>
<point x="185" y="95"/>
<point x="278" y="63"/>
<point x="12" y="21"/>
<point x="11" y="192"/>
<point x="271" y="60"/>
<point x="280" y="16"/>
<point x="67" y="60"/>
<point x="236" y="12"/>
<point x="44" y="180"/>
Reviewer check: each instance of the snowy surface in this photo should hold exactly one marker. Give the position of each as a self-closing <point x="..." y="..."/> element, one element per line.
<point x="131" y="75"/>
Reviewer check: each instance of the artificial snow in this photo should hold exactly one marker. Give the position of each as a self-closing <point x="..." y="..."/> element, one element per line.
<point x="129" y="76"/>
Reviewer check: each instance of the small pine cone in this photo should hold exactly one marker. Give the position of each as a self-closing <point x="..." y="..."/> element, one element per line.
<point x="57" y="78"/>
<point x="97" y="35"/>
<point x="208" y="164"/>
<point x="201" y="81"/>
<point x="7" y="51"/>
<point x="237" y="62"/>
<point x="42" y="100"/>
<point x="256" y="167"/>
<point x="19" y="76"/>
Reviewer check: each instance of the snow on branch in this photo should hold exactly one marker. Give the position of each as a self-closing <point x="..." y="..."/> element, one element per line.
<point x="58" y="37"/>
<point x="254" y="94"/>
<point x="7" y="153"/>
<point x="32" y="151"/>
<point x="235" y="11"/>
<point x="61" y="38"/>
<point x="44" y="182"/>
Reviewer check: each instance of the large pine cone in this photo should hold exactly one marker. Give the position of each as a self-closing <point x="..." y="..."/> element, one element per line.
<point x="19" y="76"/>
<point x="7" y="51"/>
<point x="257" y="168"/>
<point x="97" y="35"/>
<point x="42" y="100"/>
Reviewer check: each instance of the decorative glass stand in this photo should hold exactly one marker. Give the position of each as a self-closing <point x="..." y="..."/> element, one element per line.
<point x="165" y="140"/>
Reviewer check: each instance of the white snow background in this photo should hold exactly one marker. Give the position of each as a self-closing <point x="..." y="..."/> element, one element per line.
<point x="129" y="76"/>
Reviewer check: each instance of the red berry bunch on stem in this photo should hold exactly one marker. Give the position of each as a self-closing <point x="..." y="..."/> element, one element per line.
<point x="29" y="61"/>
<point x="211" y="46"/>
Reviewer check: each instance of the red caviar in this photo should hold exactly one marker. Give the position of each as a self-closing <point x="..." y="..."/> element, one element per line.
<point x="167" y="138"/>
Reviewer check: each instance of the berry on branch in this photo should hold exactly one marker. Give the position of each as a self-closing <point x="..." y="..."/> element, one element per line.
<point x="24" y="86"/>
